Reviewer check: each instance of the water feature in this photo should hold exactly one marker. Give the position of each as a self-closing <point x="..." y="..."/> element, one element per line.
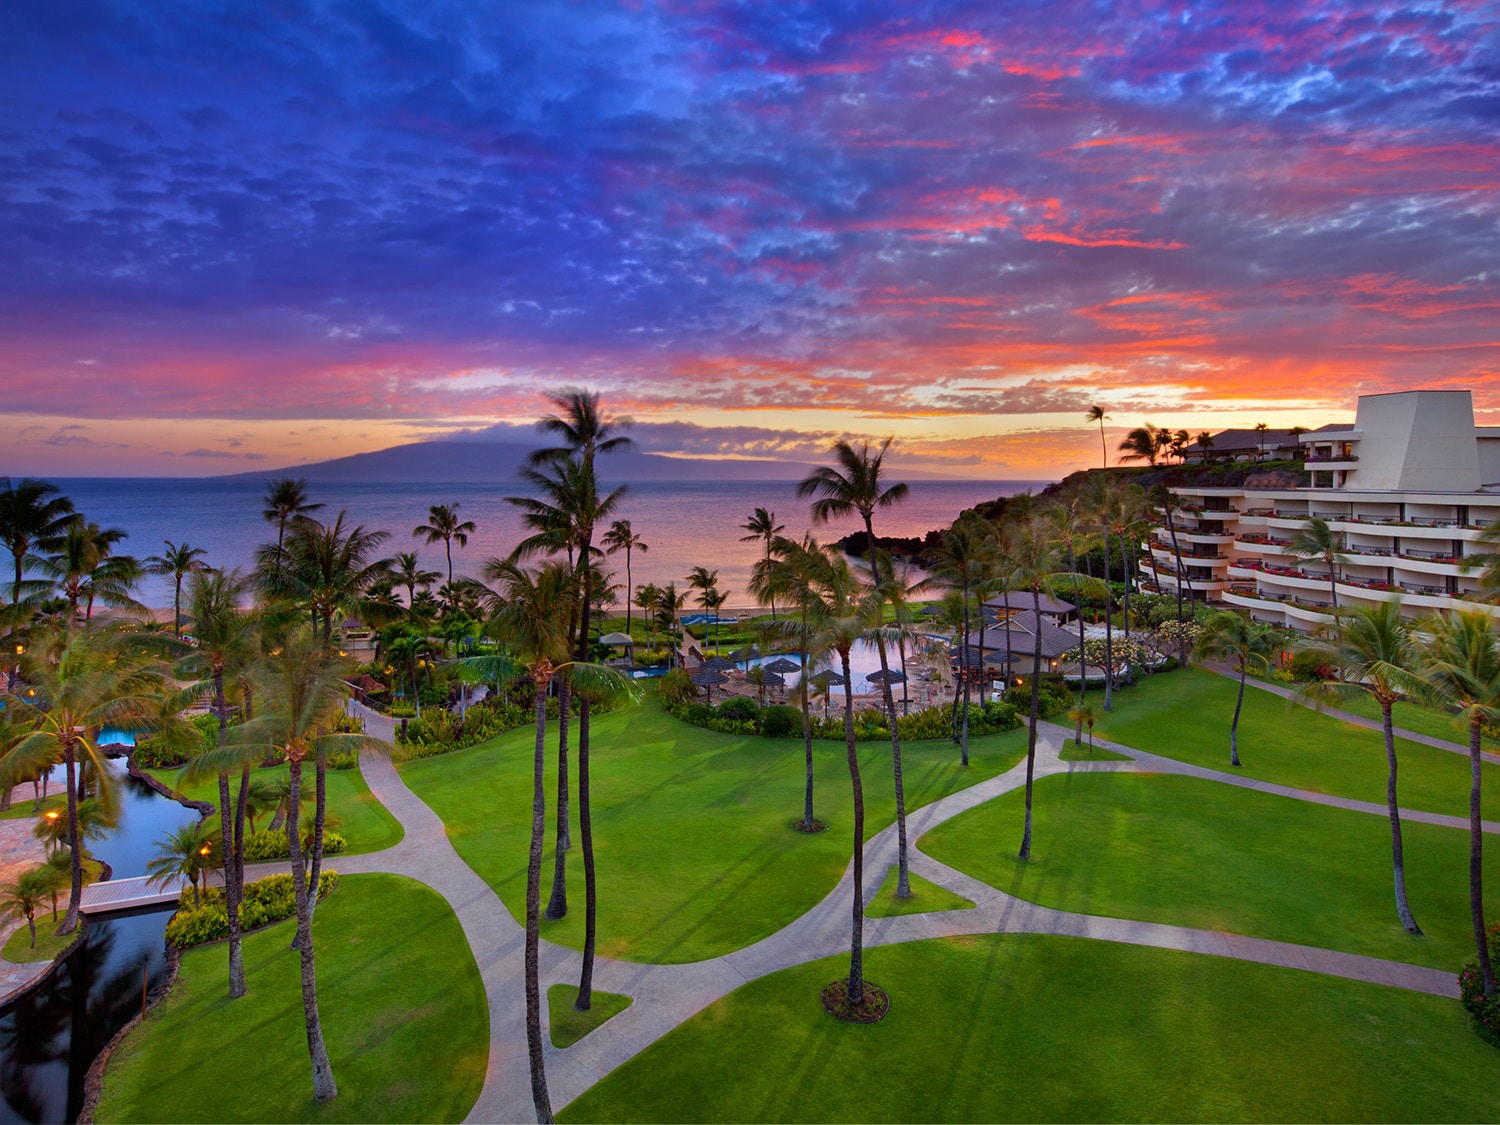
<point x="49" y="1039"/>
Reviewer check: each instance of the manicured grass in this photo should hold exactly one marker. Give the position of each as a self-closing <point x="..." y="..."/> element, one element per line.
<point x="1072" y="753"/>
<point x="367" y="825"/>
<point x="567" y="1025"/>
<point x="403" y="1010"/>
<point x="1410" y="716"/>
<point x="24" y="806"/>
<point x="695" y="852"/>
<point x="1038" y="1028"/>
<point x="1161" y="848"/>
<point x="1185" y="715"/>
<point x="925" y="898"/>
<point x="18" y="949"/>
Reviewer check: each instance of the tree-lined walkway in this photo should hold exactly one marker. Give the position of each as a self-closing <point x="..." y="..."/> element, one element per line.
<point x="664" y="996"/>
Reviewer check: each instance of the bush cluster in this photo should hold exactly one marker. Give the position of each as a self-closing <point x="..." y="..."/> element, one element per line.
<point x="745" y="716"/>
<point x="266" y="900"/>
<point x="1053" y="700"/>
<point x="264" y="846"/>
<point x="156" y="752"/>
<point x="1310" y="667"/>
<point x="1485" y="1012"/>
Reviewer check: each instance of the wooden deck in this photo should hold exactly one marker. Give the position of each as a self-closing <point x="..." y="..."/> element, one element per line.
<point x="126" y="894"/>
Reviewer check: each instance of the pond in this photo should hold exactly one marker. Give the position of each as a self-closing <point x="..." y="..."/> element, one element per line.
<point x="49" y="1039"/>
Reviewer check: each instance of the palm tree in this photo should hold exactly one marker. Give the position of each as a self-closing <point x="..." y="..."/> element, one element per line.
<point x="302" y="693"/>
<point x="85" y="678"/>
<point x="86" y="569"/>
<point x="1375" y="652"/>
<point x="537" y="614"/>
<point x="407" y="571"/>
<point x="1206" y="444"/>
<point x="706" y="582"/>
<point x="1100" y="500"/>
<point x="34" y="515"/>
<point x="326" y="570"/>
<point x="187" y="852"/>
<point x="226" y="645"/>
<point x="1096" y="414"/>
<point x="1463" y="671"/>
<point x="1234" y="636"/>
<point x="178" y="560"/>
<point x="1040" y="568"/>
<point x="1261" y="429"/>
<point x="963" y="557"/>
<point x="620" y="537"/>
<point x="855" y="485"/>
<point x="669" y="604"/>
<point x="1140" y="445"/>
<point x="443" y="524"/>
<point x="24" y="896"/>
<point x="1316" y="540"/>
<point x="1161" y="496"/>
<point x="762" y="526"/>
<point x="285" y="500"/>
<point x="848" y="611"/>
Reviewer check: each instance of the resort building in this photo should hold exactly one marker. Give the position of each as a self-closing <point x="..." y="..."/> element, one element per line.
<point x="1408" y="487"/>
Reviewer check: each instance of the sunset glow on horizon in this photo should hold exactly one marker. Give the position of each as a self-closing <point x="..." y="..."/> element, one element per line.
<point x="260" y="236"/>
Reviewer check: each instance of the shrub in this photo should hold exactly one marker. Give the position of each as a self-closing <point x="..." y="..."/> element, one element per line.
<point x="676" y="689"/>
<point x="1309" y="667"/>
<point x="781" y="721"/>
<point x="347" y="760"/>
<point x="1485" y="1012"/>
<point x="740" y="709"/>
<point x="266" y="900"/>
<point x="264" y="846"/>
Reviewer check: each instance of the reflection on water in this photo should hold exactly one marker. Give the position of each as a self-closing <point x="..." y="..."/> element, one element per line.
<point x="49" y="1039"/>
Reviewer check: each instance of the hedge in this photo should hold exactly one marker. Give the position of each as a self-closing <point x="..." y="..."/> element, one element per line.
<point x="266" y="900"/>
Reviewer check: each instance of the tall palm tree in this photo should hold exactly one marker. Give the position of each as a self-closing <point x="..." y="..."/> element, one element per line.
<point x="86" y="569"/>
<point x="24" y="895"/>
<point x="443" y="524"/>
<point x="285" y="499"/>
<point x="407" y="571"/>
<point x="706" y="582"/>
<point x="1206" y="444"/>
<point x="1463" y="670"/>
<point x="536" y="618"/>
<point x="1100" y="499"/>
<point x="1073" y="536"/>
<point x="34" y="516"/>
<point x="763" y="527"/>
<point x="1040" y="569"/>
<point x="86" y="678"/>
<point x="621" y="537"/>
<point x="1162" y="497"/>
<point x="301" y="691"/>
<point x="848" y="611"/>
<point x="855" y="484"/>
<point x="1261" y="429"/>
<point x="1234" y="636"/>
<point x="1316" y="540"/>
<point x="226" y="646"/>
<point x="1096" y="414"/>
<point x="326" y="570"/>
<point x="1375" y="652"/>
<point x="962" y="559"/>
<point x="669" y="604"/>
<point x="178" y="560"/>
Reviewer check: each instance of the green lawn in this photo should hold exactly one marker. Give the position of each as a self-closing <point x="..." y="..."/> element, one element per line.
<point x="567" y="1025"/>
<point x="403" y="1008"/>
<point x="925" y="898"/>
<point x="1161" y="848"/>
<point x="1037" y="1028"/>
<point x="24" y="806"/>
<point x="695" y="852"/>
<point x="367" y="826"/>
<point x="18" y="948"/>
<point x="1185" y="715"/>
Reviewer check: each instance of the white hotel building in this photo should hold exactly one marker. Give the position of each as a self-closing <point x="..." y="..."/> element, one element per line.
<point x="1409" y="486"/>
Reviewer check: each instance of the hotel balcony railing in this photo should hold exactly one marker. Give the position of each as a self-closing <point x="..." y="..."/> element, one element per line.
<point x="1264" y="540"/>
<point x="1328" y="458"/>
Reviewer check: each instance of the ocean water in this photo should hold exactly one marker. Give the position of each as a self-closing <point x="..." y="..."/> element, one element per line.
<point x="685" y="524"/>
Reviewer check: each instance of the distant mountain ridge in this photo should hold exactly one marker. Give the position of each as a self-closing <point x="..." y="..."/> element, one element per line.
<point x="498" y="462"/>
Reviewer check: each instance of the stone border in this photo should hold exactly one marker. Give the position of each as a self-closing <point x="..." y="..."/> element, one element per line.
<point x="20" y="992"/>
<point x="93" y="1082"/>
<point x="203" y="808"/>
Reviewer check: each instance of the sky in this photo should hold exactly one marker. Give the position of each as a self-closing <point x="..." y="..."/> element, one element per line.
<point x="249" y="235"/>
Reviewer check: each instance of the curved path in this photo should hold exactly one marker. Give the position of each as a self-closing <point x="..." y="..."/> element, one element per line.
<point x="666" y="995"/>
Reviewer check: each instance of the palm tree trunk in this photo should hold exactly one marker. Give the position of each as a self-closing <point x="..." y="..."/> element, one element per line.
<point x="70" y="920"/>
<point x="903" y="878"/>
<point x="983" y="677"/>
<point x="557" y="904"/>
<point x="855" y="990"/>
<point x="539" y="1098"/>
<point x="1109" y="633"/>
<point x="1398" y="860"/>
<point x="586" y="831"/>
<point x="236" y="955"/>
<point x="1036" y="699"/>
<point x="324" y="1088"/>
<point x="963" y="663"/>
<point x="1234" y="723"/>
<point x="1083" y="668"/>
<point x="177" y="610"/>
<point x="1476" y="857"/>
<point x="1181" y="578"/>
<point x="807" y="741"/>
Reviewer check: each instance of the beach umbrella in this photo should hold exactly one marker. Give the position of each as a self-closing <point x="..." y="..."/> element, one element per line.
<point x="706" y="677"/>
<point x="893" y="676"/>
<point x="720" y="664"/>
<point x="782" y="665"/>
<point x="774" y="679"/>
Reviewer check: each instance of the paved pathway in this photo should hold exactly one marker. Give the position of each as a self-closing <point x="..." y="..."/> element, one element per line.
<point x="666" y="995"/>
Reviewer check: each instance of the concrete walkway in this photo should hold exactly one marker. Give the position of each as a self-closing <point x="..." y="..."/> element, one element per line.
<point x="664" y="996"/>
